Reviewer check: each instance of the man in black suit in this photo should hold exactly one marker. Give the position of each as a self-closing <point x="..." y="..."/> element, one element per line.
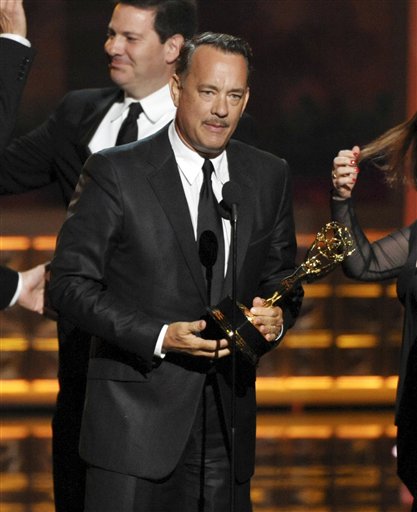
<point x="23" y="288"/>
<point x="144" y="38"/>
<point x="156" y="430"/>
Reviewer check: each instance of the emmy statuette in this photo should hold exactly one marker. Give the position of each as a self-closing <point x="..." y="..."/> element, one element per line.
<point x="330" y="247"/>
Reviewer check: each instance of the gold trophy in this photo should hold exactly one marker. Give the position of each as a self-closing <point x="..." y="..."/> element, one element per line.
<point x="330" y="247"/>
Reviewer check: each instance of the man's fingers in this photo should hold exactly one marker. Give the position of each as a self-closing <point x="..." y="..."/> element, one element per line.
<point x="197" y="326"/>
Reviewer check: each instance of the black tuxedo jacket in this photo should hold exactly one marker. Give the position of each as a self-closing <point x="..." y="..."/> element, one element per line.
<point x="8" y="284"/>
<point x="127" y="263"/>
<point x="58" y="148"/>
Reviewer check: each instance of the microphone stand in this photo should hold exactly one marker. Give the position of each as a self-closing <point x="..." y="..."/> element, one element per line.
<point x="233" y="222"/>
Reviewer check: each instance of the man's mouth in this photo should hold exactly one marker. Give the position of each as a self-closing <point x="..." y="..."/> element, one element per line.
<point x="216" y="126"/>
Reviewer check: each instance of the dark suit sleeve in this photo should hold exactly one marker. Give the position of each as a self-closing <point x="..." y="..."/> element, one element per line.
<point x="280" y="262"/>
<point x="8" y="284"/>
<point x="86" y="246"/>
<point x="25" y="162"/>
<point x="15" y="62"/>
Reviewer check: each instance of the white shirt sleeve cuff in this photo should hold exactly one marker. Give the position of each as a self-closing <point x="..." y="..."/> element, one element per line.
<point x="16" y="295"/>
<point x="279" y="335"/>
<point x="17" y="38"/>
<point x="158" y="347"/>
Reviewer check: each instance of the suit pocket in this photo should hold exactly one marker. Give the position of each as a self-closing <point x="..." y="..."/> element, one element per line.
<point x="108" y="369"/>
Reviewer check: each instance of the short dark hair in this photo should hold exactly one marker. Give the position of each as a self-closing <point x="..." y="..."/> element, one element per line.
<point x="223" y="42"/>
<point x="172" y="16"/>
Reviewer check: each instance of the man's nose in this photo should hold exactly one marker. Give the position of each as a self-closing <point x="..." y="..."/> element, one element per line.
<point x="220" y="106"/>
<point x="114" y="46"/>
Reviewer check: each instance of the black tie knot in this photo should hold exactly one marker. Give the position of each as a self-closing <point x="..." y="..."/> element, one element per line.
<point x="129" y="129"/>
<point x="208" y="169"/>
<point x="135" y="110"/>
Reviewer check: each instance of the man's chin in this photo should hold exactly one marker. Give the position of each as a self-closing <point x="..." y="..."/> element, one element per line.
<point x="118" y="76"/>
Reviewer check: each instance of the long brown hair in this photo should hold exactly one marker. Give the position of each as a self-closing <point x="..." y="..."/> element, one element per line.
<point x="395" y="153"/>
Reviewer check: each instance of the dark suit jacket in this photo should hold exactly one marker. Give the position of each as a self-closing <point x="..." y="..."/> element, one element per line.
<point x="58" y="148"/>
<point x="8" y="284"/>
<point x="127" y="263"/>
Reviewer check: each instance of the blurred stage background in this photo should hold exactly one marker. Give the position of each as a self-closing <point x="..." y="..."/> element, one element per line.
<point x="328" y="74"/>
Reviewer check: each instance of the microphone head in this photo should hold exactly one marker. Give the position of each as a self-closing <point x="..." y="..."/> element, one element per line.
<point x="207" y="248"/>
<point x="232" y="193"/>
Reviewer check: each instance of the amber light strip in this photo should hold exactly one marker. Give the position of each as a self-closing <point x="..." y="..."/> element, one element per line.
<point x="346" y="425"/>
<point x="326" y="390"/>
<point x="359" y="431"/>
<point x="308" y="339"/>
<point x="271" y="391"/>
<point x="360" y="340"/>
<point x="317" y="291"/>
<point x="13" y="345"/>
<point x="317" y="338"/>
<point x="14" y="243"/>
<point x="44" y="243"/>
<point x="359" y="290"/>
<point x="23" y="243"/>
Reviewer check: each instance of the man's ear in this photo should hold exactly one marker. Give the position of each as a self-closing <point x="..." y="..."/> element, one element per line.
<point x="173" y="46"/>
<point x="175" y="89"/>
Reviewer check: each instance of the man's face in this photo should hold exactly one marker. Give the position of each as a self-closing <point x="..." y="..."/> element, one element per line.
<point x="138" y="62"/>
<point x="210" y="99"/>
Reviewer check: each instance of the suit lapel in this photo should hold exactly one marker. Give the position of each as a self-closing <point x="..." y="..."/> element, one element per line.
<point x="167" y="185"/>
<point x="92" y="117"/>
<point x="240" y="173"/>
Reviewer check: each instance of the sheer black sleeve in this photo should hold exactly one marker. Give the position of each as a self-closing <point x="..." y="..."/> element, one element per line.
<point x="383" y="259"/>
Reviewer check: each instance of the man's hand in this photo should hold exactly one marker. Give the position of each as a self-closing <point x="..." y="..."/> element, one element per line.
<point x="12" y="17"/>
<point x="268" y="321"/>
<point x="182" y="337"/>
<point x="33" y="287"/>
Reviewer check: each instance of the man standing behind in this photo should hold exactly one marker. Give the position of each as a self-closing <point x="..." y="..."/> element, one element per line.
<point x="156" y="430"/>
<point x="143" y="42"/>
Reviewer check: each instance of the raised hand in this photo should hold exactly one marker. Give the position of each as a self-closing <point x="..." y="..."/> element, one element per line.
<point x="12" y="17"/>
<point x="345" y="171"/>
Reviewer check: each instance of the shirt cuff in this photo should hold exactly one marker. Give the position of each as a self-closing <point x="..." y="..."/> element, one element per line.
<point x="279" y="335"/>
<point x="158" y="347"/>
<point x="17" y="38"/>
<point x="16" y="295"/>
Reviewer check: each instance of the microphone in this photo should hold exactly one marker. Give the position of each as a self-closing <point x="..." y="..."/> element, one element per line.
<point x="232" y="195"/>
<point x="208" y="247"/>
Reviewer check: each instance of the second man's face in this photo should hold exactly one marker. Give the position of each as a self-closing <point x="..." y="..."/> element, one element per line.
<point x="137" y="58"/>
<point x="210" y="99"/>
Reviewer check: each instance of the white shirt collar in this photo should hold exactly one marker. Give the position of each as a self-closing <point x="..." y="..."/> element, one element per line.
<point x="190" y="162"/>
<point x="154" y="106"/>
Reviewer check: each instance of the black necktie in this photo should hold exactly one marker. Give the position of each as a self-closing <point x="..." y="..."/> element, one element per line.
<point x="210" y="237"/>
<point x="129" y="130"/>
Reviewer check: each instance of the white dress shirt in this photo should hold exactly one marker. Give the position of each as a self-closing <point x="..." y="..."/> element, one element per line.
<point x="158" y="110"/>
<point x="190" y="165"/>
